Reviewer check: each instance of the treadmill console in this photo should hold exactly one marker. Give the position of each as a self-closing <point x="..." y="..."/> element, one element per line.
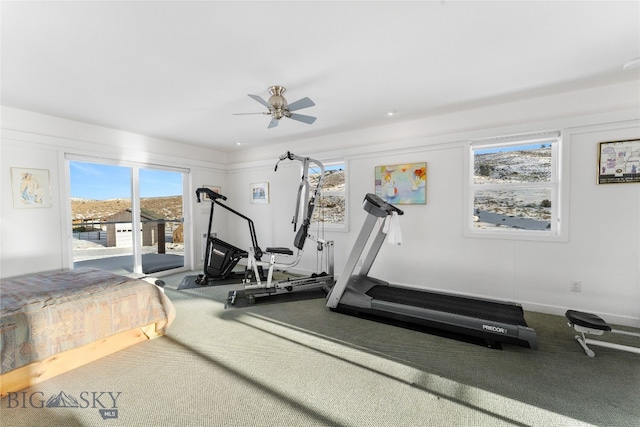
<point x="374" y="205"/>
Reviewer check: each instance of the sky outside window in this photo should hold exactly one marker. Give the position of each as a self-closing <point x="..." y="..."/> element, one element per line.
<point x="102" y="182"/>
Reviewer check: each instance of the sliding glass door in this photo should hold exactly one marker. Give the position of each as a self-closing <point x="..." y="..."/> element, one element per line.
<point x="126" y="219"/>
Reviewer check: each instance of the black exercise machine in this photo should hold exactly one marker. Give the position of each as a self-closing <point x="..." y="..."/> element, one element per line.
<point x="493" y="321"/>
<point x="221" y="257"/>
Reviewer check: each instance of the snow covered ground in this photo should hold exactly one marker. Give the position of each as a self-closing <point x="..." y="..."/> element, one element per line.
<point x="528" y="208"/>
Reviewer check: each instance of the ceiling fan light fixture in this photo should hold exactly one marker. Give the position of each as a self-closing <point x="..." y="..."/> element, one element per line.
<point x="278" y="102"/>
<point x="277" y="107"/>
<point x="277" y="90"/>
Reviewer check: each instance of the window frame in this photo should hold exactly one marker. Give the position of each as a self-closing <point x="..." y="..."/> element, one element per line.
<point x="558" y="185"/>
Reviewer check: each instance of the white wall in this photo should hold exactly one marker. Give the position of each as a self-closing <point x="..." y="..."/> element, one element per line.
<point x="30" y="238"/>
<point x="603" y="250"/>
<point x="39" y="239"/>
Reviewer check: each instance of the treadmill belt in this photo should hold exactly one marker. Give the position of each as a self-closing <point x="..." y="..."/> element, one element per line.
<point x="465" y="306"/>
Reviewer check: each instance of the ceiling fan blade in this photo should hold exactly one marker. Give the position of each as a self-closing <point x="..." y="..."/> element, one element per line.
<point x="260" y="100"/>
<point x="302" y="118"/>
<point x="300" y="104"/>
<point x="246" y="114"/>
<point x="273" y="123"/>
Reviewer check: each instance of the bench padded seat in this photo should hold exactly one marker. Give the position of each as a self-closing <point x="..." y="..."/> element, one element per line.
<point x="587" y="320"/>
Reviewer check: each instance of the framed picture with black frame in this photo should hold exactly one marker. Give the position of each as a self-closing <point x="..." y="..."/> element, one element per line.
<point x="619" y="161"/>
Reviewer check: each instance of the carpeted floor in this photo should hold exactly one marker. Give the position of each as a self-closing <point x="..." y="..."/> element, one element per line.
<point x="299" y="364"/>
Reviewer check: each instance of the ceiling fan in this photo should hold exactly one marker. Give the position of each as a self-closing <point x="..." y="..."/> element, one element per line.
<point x="278" y="107"/>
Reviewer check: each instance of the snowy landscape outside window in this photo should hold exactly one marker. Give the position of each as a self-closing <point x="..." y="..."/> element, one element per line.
<point x="330" y="209"/>
<point x="514" y="185"/>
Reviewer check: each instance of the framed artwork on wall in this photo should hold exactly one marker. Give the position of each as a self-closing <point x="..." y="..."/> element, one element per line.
<point x="619" y="161"/>
<point x="31" y="188"/>
<point x="260" y="192"/>
<point x="404" y="184"/>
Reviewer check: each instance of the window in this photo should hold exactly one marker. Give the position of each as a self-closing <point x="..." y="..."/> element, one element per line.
<point x="514" y="187"/>
<point x="330" y="209"/>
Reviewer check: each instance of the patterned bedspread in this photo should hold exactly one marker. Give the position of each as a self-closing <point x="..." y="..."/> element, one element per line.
<point x="47" y="313"/>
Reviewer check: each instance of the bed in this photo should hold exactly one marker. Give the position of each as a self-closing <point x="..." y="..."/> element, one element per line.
<point x="55" y="321"/>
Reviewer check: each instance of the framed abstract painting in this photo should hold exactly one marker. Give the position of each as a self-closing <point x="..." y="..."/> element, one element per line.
<point x="404" y="184"/>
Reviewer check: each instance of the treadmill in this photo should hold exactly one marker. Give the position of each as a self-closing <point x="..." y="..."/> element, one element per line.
<point x="493" y="321"/>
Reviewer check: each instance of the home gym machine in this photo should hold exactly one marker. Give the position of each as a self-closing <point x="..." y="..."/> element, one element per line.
<point x="587" y="323"/>
<point x="221" y="257"/>
<point x="493" y="321"/>
<point x="278" y="255"/>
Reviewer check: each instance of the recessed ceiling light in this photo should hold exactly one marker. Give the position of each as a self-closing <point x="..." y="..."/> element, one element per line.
<point x="238" y="143"/>
<point x="634" y="63"/>
<point x="392" y="112"/>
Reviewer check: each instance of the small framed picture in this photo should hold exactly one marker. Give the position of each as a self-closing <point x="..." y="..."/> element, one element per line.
<point x="260" y="192"/>
<point x="31" y="188"/>
<point x="213" y="188"/>
<point x="619" y="161"/>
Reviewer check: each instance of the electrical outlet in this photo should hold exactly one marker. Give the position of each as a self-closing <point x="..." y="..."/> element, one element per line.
<point x="576" y="286"/>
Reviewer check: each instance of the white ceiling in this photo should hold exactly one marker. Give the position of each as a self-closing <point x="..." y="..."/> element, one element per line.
<point x="178" y="70"/>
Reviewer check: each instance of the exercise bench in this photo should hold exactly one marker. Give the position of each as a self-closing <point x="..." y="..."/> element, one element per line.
<point x="587" y="323"/>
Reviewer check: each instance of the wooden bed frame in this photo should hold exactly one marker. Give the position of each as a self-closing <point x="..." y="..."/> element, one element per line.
<point x="42" y="370"/>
